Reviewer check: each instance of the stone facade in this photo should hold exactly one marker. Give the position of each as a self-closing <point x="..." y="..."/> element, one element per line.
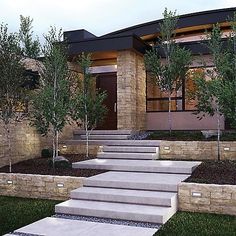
<point x="131" y="91"/>
<point x="210" y="198"/>
<point x="26" y="142"/>
<point x="196" y="150"/>
<point x="38" y="186"/>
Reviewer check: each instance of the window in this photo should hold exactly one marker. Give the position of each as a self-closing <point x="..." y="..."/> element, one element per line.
<point x="157" y="100"/>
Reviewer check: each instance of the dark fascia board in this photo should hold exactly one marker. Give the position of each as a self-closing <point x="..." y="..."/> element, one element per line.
<point x="196" y="47"/>
<point x="108" y="44"/>
<point x="187" y="20"/>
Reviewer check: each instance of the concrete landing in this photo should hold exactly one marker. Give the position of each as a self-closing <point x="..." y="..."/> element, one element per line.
<point x="138" y="181"/>
<point x="51" y="226"/>
<point x="154" y="166"/>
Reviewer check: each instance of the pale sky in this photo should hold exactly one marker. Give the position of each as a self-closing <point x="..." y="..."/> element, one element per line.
<point x="97" y="16"/>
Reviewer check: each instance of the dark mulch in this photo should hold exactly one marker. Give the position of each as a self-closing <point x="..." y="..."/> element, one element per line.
<point x="41" y="166"/>
<point x="214" y="172"/>
<point x="190" y="136"/>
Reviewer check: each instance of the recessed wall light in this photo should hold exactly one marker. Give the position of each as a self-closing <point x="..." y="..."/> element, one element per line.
<point x="196" y="194"/>
<point x="60" y="185"/>
<point x="9" y="182"/>
<point x="226" y="149"/>
<point x="166" y="148"/>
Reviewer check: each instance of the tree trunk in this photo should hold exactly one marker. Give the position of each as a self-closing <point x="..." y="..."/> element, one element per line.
<point x="53" y="150"/>
<point x="169" y="114"/>
<point x="9" y="146"/>
<point x="87" y="136"/>
<point x="218" y="134"/>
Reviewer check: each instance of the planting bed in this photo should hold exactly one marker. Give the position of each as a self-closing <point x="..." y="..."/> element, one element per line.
<point x="41" y="166"/>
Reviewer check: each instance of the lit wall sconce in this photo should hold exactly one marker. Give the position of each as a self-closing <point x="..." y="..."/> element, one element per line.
<point x="226" y="149"/>
<point x="9" y="182"/>
<point x="64" y="146"/>
<point x="196" y="194"/>
<point x="60" y="185"/>
<point x="166" y="148"/>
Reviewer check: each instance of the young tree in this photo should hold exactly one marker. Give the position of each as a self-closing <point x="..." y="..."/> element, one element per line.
<point x="51" y="102"/>
<point x="12" y="92"/>
<point x="168" y="72"/>
<point x="87" y="103"/>
<point x="215" y="88"/>
<point x="30" y="46"/>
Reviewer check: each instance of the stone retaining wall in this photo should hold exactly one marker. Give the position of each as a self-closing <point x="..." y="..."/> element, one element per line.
<point x="209" y="198"/>
<point x="38" y="186"/>
<point x="197" y="150"/>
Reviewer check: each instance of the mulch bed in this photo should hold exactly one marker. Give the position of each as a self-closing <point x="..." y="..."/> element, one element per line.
<point x="214" y="172"/>
<point x="41" y="166"/>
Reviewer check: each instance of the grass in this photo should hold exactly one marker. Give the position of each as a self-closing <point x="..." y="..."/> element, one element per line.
<point x="199" y="224"/>
<point x="18" y="212"/>
<point x="190" y="136"/>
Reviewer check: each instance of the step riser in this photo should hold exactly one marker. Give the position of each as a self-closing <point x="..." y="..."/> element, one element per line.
<point x="128" y="185"/>
<point x="105" y="137"/>
<point x="104" y="132"/>
<point x="149" y="169"/>
<point x="123" y="199"/>
<point x="131" y="149"/>
<point x="111" y="214"/>
<point x="136" y="156"/>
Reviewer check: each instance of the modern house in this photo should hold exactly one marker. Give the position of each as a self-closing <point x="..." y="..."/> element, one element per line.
<point x="118" y="63"/>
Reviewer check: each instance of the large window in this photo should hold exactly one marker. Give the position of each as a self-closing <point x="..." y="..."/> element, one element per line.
<point x="157" y="100"/>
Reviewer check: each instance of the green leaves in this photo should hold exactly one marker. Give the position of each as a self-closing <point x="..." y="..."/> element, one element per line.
<point x="30" y="46"/>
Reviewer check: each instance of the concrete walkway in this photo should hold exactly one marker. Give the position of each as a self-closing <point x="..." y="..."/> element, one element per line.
<point x="51" y="226"/>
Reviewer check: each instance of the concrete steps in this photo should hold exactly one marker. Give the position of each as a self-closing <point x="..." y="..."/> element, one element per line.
<point x="125" y="196"/>
<point x="131" y="149"/>
<point x="152" y="166"/>
<point x="103" y="134"/>
<point x="138" y="181"/>
<point x="105" y="137"/>
<point x="136" y="156"/>
<point x="122" y="211"/>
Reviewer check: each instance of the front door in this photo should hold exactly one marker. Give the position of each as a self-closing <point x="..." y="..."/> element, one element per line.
<point x="108" y="83"/>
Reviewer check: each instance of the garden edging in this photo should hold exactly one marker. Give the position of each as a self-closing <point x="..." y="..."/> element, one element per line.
<point x="38" y="186"/>
<point x="208" y="198"/>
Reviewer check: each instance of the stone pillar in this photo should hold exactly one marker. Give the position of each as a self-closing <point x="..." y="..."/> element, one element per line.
<point x="131" y="91"/>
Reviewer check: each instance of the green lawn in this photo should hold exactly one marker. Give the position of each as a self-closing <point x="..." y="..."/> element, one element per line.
<point x="18" y="212"/>
<point x="199" y="224"/>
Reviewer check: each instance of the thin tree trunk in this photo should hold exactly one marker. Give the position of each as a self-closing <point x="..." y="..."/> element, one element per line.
<point x="57" y="144"/>
<point x="87" y="135"/>
<point x="9" y="147"/>
<point x="54" y="150"/>
<point x="218" y="134"/>
<point x="169" y="114"/>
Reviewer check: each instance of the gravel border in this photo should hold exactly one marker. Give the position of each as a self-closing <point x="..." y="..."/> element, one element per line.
<point x="108" y="221"/>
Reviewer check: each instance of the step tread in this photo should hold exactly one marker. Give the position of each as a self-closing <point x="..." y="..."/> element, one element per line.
<point x="146" y="143"/>
<point x="113" y="206"/>
<point x="103" y="132"/>
<point x="113" y="210"/>
<point x="104" y="137"/>
<point x="125" y="195"/>
<point x="130" y="149"/>
<point x="165" y="166"/>
<point x="138" y="177"/>
<point x="128" y="155"/>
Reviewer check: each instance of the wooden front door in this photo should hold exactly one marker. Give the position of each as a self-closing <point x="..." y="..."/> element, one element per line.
<point x="108" y="83"/>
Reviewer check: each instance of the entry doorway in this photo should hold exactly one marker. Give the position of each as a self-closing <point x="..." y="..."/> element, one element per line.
<point x="108" y="83"/>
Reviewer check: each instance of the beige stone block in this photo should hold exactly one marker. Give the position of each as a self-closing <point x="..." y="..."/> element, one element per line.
<point x="201" y="201"/>
<point x="221" y="195"/>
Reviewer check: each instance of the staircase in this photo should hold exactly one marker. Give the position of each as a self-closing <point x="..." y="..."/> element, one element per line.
<point x="138" y="186"/>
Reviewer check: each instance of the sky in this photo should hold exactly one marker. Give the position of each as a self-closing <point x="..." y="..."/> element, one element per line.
<point x="97" y="16"/>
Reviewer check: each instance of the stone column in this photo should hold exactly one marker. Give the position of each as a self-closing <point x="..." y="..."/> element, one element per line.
<point x="131" y="91"/>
